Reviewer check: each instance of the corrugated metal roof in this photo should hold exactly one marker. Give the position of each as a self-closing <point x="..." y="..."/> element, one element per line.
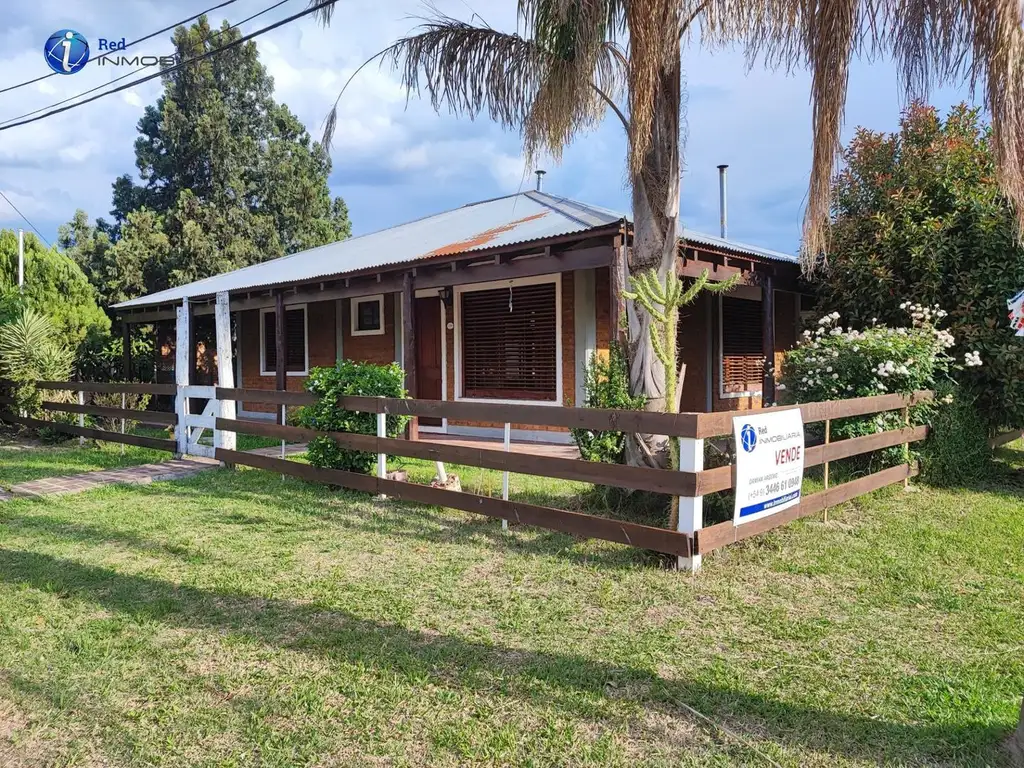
<point x="736" y="247"/>
<point x="519" y="218"/>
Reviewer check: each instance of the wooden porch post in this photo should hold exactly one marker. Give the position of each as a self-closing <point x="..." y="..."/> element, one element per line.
<point x="768" y="338"/>
<point x="126" y="349"/>
<point x="281" y="348"/>
<point x="225" y="369"/>
<point x="618" y="269"/>
<point x="182" y="372"/>
<point x="409" y="344"/>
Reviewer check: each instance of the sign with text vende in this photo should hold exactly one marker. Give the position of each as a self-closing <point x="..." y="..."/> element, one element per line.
<point x="769" y="463"/>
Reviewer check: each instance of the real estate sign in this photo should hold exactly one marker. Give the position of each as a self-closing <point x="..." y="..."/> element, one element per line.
<point x="769" y="463"/>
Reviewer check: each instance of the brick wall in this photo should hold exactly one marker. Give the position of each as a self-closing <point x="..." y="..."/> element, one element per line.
<point x="370" y="349"/>
<point x="322" y="344"/>
<point x="693" y="339"/>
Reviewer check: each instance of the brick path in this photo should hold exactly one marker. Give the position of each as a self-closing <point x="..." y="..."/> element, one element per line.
<point x="175" y="469"/>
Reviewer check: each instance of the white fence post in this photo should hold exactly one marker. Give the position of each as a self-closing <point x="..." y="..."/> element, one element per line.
<point x="182" y="367"/>
<point x="691" y="508"/>
<point x="124" y="424"/>
<point x="382" y="458"/>
<point x="504" y="477"/>
<point x="81" y="417"/>
<point x="225" y="371"/>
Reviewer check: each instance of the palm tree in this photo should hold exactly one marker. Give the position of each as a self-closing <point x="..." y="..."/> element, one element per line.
<point x="575" y="59"/>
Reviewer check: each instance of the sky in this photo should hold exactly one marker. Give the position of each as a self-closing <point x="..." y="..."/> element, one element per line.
<point x="394" y="158"/>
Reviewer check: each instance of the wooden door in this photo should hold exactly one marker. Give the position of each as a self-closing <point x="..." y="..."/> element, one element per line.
<point x="429" y="366"/>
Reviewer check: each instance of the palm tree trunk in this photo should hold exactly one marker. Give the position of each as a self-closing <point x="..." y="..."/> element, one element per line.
<point x="655" y="221"/>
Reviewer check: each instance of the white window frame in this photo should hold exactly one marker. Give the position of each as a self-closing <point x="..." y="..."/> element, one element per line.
<point x="353" y="314"/>
<point x="722" y="394"/>
<point x="461" y="289"/>
<point x="263" y="339"/>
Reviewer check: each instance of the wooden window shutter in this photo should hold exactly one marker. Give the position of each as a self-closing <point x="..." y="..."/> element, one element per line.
<point x="742" y="356"/>
<point x="510" y="344"/>
<point x="295" y="339"/>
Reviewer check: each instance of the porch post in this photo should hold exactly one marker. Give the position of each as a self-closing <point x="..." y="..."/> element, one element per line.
<point x="126" y="350"/>
<point x="182" y="373"/>
<point x="618" y="270"/>
<point x="225" y="369"/>
<point x="409" y="344"/>
<point x="281" y="347"/>
<point x="768" y="338"/>
<point x="691" y="508"/>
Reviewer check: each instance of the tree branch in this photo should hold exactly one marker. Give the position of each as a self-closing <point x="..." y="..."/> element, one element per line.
<point x="608" y="100"/>
<point x="685" y="26"/>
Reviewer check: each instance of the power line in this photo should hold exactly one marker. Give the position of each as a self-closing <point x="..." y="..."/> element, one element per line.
<point x="129" y="45"/>
<point x="175" y="67"/>
<point x="217" y="33"/>
<point x="5" y="197"/>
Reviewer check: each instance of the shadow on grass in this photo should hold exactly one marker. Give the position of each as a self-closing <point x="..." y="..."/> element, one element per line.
<point x="575" y="684"/>
<point x="46" y="525"/>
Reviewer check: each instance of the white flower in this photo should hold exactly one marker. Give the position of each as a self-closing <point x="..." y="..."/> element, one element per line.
<point x="835" y="315"/>
<point x="972" y="359"/>
<point x="780" y="387"/>
<point x="829" y="369"/>
<point x="835" y="375"/>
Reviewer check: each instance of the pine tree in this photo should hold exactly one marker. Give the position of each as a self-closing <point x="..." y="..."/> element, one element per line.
<point x="229" y="178"/>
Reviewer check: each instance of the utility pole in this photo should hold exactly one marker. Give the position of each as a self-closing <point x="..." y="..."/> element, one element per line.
<point x="21" y="260"/>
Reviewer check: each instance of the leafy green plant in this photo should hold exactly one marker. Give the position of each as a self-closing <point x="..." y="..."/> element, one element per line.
<point x="606" y="385"/>
<point x="957" y="450"/>
<point x="132" y="402"/>
<point x="31" y="350"/>
<point x="349" y="378"/>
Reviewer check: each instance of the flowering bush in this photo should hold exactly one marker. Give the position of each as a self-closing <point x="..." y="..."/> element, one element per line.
<point x="606" y="386"/>
<point x="837" y="363"/>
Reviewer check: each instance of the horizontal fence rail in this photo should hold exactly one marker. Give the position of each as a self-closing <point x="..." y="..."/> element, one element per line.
<point x="108" y="388"/>
<point x="142" y="417"/>
<point x="157" y="418"/>
<point x="140" y="441"/>
<point x="636" y="478"/>
<point x="578" y="523"/>
<point x="721" y="534"/>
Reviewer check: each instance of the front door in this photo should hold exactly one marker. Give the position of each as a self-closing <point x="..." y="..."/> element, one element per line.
<point x="428" y="353"/>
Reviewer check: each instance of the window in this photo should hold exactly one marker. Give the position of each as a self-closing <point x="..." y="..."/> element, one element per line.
<point x="368" y="316"/>
<point x="510" y="342"/>
<point x="742" y="358"/>
<point x="296" y="351"/>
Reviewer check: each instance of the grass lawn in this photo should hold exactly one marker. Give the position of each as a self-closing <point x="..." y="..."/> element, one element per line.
<point x="240" y="619"/>
<point x="25" y="459"/>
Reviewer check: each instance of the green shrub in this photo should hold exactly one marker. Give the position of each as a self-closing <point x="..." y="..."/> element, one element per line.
<point x="31" y="350"/>
<point x="956" y="452"/>
<point x="346" y="379"/>
<point x="132" y="402"/>
<point x="606" y="385"/>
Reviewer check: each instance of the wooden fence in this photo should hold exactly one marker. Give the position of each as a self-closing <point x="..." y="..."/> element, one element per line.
<point x="83" y="409"/>
<point x="690" y="482"/>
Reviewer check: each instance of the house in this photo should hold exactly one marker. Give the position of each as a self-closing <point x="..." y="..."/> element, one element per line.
<point x="502" y="300"/>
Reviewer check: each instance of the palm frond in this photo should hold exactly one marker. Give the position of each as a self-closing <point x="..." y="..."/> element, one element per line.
<point x="542" y="91"/>
<point x="933" y="42"/>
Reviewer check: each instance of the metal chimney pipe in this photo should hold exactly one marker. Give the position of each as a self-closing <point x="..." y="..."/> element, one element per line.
<point x="540" y="178"/>
<point x="21" y="259"/>
<point x="723" y="200"/>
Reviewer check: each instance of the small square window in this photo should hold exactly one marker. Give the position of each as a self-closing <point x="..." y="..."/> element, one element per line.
<point x="368" y="316"/>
